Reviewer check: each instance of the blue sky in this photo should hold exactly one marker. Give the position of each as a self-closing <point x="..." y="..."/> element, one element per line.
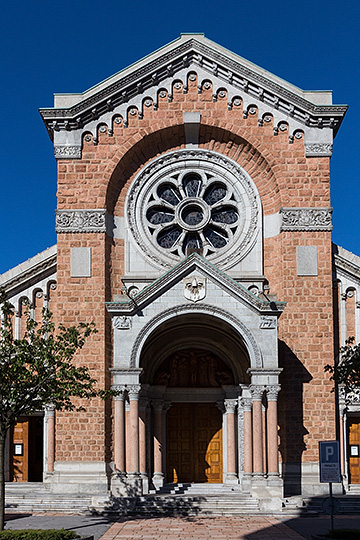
<point x="49" y="47"/>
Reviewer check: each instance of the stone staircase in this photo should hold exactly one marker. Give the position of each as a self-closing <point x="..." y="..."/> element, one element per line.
<point x="349" y="505"/>
<point x="196" y="499"/>
<point x="36" y="497"/>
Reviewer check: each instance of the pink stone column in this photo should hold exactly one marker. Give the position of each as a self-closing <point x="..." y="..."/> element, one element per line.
<point x="133" y="392"/>
<point x="272" y="429"/>
<point x="257" y="393"/>
<point x="142" y="436"/>
<point x="119" y="434"/>
<point x="158" y="477"/>
<point x="247" y="436"/>
<point x="230" y="405"/>
<point x="51" y="438"/>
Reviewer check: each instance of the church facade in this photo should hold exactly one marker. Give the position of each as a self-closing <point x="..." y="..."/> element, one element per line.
<point x="194" y="228"/>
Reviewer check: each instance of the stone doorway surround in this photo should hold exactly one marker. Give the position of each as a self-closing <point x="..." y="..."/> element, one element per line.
<point x="227" y="320"/>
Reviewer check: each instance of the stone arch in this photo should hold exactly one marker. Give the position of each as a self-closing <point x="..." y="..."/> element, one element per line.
<point x="216" y="314"/>
<point x="244" y="149"/>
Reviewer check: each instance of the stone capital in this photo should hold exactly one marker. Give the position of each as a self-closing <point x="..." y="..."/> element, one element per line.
<point x="133" y="391"/>
<point x="257" y="391"/>
<point x="230" y="405"/>
<point x="246" y="404"/>
<point x="272" y="392"/>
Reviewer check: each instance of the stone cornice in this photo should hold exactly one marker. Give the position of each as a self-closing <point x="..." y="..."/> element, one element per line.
<point x="306" y="219"/>
<point x="194" y="263"/>
<point x="31" y="276"/>
<point x="346" y="267"/>
<point x="213" y="61"/>
<point x="80" y="221"/>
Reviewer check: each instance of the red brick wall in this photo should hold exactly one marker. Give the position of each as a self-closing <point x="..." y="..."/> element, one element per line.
<point x="284" y="177"/>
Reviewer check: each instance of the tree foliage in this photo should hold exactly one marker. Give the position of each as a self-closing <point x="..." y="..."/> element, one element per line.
<point x="347" y="371"/>
<point x="37" y="371"/>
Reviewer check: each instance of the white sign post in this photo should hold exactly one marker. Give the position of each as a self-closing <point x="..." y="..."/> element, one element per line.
<point x="330" y="469"/>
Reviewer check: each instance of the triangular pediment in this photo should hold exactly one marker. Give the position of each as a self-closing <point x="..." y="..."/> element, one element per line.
<point x="131" y="87"/>
<point x="195" y="265"/>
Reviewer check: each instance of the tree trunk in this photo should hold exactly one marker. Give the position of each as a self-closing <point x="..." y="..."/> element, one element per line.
<point x="2" y="479"/>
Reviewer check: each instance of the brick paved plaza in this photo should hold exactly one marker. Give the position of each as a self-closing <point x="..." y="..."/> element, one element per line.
<point x="217" y="528"/>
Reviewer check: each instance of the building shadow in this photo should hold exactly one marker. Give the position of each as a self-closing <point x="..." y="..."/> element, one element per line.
<point x="291" y="418"/>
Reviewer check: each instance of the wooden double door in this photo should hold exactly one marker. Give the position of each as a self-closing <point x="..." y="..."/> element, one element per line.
<point x="194" y="443"/>
<point x="354" y="449"/>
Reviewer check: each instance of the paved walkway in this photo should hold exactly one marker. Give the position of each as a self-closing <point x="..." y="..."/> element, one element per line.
<point x="216" y="528"/>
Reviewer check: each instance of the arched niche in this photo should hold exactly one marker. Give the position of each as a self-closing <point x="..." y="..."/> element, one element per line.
<point x="195" y="332"/>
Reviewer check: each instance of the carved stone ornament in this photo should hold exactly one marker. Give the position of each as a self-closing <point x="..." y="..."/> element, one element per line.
<point x="267" y="322"/>
<point x="121" y="322"/>
<point x="272" y="392"/>
<point x="230" y="405"/>
<point x="133" y="391"/>
<point x="246" y="404"/>
<point x="318" y="149"/>
<point x="306" y="219"/>
<point x="257" y="391"/>
<point x="194" y="288"/>
<point x="67" y="152"/>
<point x="78" y="221"/>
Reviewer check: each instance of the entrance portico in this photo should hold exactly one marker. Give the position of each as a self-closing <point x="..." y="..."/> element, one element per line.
<point x="206" y="379"/>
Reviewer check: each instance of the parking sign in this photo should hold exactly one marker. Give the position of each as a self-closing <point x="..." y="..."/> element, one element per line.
<point x="329" y="461"/>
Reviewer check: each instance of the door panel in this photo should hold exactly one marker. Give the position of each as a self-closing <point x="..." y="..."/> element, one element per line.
<point x="194" y="443"/>
<point x="354" y="439"/>
<point x="27" y="450"/>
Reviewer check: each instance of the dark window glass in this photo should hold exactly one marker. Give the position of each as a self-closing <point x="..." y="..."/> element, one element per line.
<point x="225" y="215"/>
<point x="169" y="193"/>
<point x="215" y="193"/>
<point x="168" y="237"/>
<point x="192" y="215"/>
<point x="192" y="185"/>
<point x="157" y="216"/>
<point x="216" y="239"/>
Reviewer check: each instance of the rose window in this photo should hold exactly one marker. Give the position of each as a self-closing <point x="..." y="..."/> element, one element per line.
<point x="192" y="211"/>
<point x="193" y="200"/>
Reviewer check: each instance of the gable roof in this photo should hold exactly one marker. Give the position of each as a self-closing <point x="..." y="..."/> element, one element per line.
<point x="192" y="263"/>
<point x="195" y="51"/>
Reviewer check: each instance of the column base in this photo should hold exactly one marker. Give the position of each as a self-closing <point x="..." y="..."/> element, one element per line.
<point x="145" y="483"/>
<point x="126" y="484"/>
<point x="231" y="478"/>
<point x="158" y="480"/>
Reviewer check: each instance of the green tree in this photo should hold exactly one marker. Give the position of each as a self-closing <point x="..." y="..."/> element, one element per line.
<point x="346" y="371"/>
<point x="38" y="371"/>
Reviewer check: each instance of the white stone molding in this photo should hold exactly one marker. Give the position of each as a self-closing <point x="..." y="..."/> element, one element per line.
<point x="318" y="149"/>
<point x="306" y="219"/>
<point x="192" y="128"/>
<point x="272" y="392"/>
<point x="230" y="405"/>
<point x="215" y="67"/>
<point x="257" y="391"/>
<point x="80" y="221"/>
<point x="268" y="322"/>
<point x="121" y="322"/>
<point x="194" y="288"/>
<point x="239" y="326"/>
<point x="211" y="167"/>
<point x="67" y="152"/>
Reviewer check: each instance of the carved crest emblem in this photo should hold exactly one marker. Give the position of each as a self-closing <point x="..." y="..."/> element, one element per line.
<point x="194" y="288"/>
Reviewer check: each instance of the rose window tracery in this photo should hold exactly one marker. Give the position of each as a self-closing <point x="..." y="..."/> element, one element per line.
<point x="193" y="200"/>
<point x="192" y="211"/>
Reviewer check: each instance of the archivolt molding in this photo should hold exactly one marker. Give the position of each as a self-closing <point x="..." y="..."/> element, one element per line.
<point x="207" y="161"/>
<point x="245" y="333"/>
<point x="213" y="69"/>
